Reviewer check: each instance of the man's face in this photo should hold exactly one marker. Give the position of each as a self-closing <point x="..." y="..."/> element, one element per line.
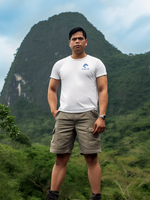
<point x="78" y="42"/>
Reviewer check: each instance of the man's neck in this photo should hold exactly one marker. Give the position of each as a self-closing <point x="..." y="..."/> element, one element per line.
<point x="78" y="56"/>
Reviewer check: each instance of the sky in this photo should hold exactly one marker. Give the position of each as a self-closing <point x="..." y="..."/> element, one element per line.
<point x="124" y="23"/>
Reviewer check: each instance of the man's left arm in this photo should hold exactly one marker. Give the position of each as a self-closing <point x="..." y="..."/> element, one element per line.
<point x="102" y="86"/>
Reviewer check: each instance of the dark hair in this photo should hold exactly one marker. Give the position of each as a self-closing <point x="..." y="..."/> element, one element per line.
<point x="74" y="30"/>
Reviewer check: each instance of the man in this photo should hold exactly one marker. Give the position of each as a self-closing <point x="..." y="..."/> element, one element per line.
<point x="83" y="86"/>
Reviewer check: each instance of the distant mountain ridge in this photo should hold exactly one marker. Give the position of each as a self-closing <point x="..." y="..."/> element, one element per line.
<point x="47" y="42"/>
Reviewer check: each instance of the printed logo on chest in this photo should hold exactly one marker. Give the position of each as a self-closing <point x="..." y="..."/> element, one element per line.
<point x="85" y="67"/>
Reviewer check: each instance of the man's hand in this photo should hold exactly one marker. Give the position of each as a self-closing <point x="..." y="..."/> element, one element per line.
<point x="54" y="113"/>
<point x="99" y="126"/>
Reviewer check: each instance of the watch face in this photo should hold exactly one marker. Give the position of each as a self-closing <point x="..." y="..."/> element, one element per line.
<point x="104" y="117"/>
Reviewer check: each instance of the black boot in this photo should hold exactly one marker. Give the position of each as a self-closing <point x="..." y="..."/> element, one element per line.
<point x="96" y="196"/>
<point x="52" y="195"/>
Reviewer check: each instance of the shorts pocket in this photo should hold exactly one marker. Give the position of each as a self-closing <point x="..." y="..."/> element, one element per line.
<point x="53" y="141"/>
<point x="94" y="139"/>
<point x="94" y="113"/>
<point x="57" y="114"/>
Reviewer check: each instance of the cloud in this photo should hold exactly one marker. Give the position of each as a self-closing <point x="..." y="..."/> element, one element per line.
<point x="6" y="53"/>
<point x="137" y="35"/>
<point x="11" y="13"/>
<point x="125" y="22"/>
<point x="119" y="14"/>
<point x="6" y="50"/>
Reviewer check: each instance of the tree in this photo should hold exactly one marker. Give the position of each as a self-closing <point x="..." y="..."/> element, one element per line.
<point x="8" y="124"/>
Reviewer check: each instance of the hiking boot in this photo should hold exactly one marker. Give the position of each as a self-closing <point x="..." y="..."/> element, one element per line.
<point x="96" y="197"/>
<point x="52" y="195"/>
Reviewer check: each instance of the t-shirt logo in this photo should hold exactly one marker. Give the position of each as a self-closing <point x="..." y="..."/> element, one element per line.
<point x="85" y="67"/>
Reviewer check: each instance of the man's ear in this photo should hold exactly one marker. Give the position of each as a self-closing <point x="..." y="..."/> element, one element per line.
<point x="86" y="42"/>
<point x="69" y="43"/>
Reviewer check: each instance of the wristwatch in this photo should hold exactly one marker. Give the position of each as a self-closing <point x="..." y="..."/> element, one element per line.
<point x="103" y="116"/>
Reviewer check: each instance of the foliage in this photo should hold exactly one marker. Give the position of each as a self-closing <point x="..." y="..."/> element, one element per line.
<point x="8" y="124"/>
<point x="10" y="166"/>
<point x="125" y="132"/>
<point x="32" y="121"/>
<point x="27" y="174"/>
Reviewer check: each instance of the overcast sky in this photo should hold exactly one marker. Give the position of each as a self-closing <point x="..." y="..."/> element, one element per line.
<point x="125" y="23"/>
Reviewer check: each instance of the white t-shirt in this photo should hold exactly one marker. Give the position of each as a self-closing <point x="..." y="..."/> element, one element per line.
<point x="78" y="83"/>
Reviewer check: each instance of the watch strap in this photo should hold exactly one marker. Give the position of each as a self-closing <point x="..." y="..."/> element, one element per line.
<point x="103" y="116"/>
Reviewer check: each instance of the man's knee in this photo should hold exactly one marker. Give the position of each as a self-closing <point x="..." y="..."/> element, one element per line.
<point x="62" y="159"/>
<point x="91" y="159"/>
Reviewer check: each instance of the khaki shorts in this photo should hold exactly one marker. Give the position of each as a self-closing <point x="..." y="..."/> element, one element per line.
<point x="68" y="125"/>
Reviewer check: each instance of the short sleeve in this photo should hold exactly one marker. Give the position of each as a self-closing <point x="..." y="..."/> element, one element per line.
<point x="55" y="71"/>
<point x="100" y="69"/>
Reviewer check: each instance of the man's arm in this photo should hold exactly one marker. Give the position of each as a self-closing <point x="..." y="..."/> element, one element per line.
<point x="52" y="95"/>
<point x="99" y="125"/>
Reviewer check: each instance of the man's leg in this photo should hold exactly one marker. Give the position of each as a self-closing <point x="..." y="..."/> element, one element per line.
<point x="94" y="172"/>
<point x="59" y="171"/>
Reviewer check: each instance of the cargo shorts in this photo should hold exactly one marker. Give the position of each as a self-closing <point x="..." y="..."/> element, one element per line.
<point x="70" y="125"/>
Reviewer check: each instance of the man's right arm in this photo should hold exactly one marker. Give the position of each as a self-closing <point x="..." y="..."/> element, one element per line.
<point x="52" y="95"/>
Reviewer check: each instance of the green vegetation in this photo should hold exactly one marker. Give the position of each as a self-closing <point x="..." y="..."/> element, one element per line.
<point x="26" y="171"/>
<point x="128" y="81"/>
<point x="33" y="121"/>
<point x="8" y="125"/>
